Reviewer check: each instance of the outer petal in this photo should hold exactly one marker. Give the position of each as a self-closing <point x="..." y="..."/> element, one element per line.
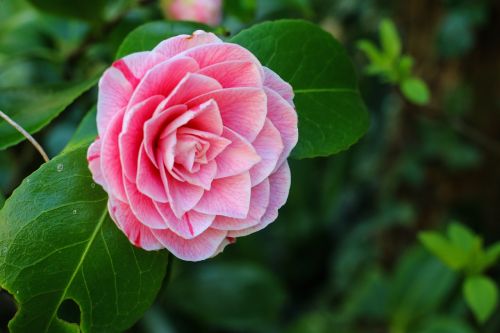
<point x="110" y="158"/>
<point x="190" y="225"/>
<point x="191" y="86"/>
<point x="258" y="206"/>
<point x="132" y="134"/>
<point x="269" y="147"/>
<point x="274" y="82"/>
<point x="138" y="234"/>
<point x="242" y="109"/>
<point x="233" y="74"/>
<point x="155" y="81"/>
<point x="280" y="187"/>
<point x="228" y="196"/>
<point x="199" y="248"/>
<point x="117" y="84"/>
<point x="238" y="157"/>
<point x="94" y="159"/>
<point x="284" y="118"/>
<point x="215" y="53"/>
<point x="178" y="44"/>
<point x="143" y="207"/>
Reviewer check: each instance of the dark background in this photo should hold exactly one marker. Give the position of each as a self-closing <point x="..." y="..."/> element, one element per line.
<point x="343" y="255"/>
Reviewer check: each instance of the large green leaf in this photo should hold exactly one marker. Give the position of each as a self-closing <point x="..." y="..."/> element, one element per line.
<point x="147" y="36"/>
<point x="332" y="115"/>
<point x="35" y="107"/>
<point x="58" y="243"/>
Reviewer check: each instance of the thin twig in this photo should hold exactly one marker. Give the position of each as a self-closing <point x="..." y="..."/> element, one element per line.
<point x="26" y="135"/>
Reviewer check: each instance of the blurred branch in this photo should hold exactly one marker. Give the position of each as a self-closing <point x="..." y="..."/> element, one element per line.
<point x="21" y="130"/>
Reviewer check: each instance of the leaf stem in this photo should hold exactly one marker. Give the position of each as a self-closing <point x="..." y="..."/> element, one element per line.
<point x="28" y="136"/>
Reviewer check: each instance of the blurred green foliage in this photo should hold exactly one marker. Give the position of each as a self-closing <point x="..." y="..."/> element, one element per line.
<point x="344" y="255"/>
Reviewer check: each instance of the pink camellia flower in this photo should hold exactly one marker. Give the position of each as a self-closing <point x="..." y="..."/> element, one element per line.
<point x="192" y="146"/>
<point x="204" y="11"/>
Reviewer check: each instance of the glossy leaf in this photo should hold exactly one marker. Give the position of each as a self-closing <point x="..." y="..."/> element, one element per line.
<point x="147" y="36"/>
<point x="35" y="107"/>
<point x="66" y="247"/>
<point x="481" y="294"/>
<point x="331" y="112"/>
<point x="2" y="199"/>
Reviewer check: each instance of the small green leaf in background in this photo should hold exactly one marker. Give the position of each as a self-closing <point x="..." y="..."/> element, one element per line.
<point x="415" y="90"/>
<point x="86" y="131"/>
<point x="332" y="115"/>
<point x="443" y="249"/>
<point x="389" y="37"/>
<point x="66" y="247"/>
<point x="34" y="107"/>
<point x="481" y="294"/>
<point x="89" y="10"/>
<point x="147" y="36"/>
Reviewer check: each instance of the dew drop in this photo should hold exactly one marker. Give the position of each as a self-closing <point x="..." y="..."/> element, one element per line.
<point x="92" y="185"/>
<point x="60" y="167"/>
<point x="74" y="212"/>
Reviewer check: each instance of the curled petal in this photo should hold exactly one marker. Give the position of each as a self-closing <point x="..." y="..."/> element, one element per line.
<point x="143" y="207"/>
<point x="233" y="74"/>
<point x="175" y="45"/>
<point x="238" y="157"/>
<point x="276" y="83"/>
<point x="94" y="159"/>
<point x="190" y="225"/>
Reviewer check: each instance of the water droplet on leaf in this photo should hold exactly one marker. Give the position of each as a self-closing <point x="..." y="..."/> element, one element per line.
<point x="60" y="167"/>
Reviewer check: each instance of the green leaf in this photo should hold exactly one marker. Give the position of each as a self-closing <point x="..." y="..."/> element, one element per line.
<point x="66" y="247"/>
<point x="405" y="67"/>
<point x="481" y="294"/>
<point x="34" y="107"/>
<point x="443" y="249"/>
<point x="491" y="256"/>
<point x="2" y="200"/>
<point x="371" y="51"/>
<point x="89" y="10"/>
<point x="415" y="90"/>
<point x="86" y="131"/>
<point x="147" y="36"/>
<point x="332" y="115"/>
<point x="389" y="37"/>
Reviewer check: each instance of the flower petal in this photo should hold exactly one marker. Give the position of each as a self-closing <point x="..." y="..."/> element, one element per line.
<point x="190" y="225"/>
<point x="238" y="157"/>
<point x="94" y="159"/>
<point x="258" y="205"/>
<point x="242" y="109"/>
<point x="274" y="82"/>
<point x="279" y="189"/>
<point x="132" y="135"/>
<point x="284" y="118"/>
<point x="269" y="146"/>
<point x="232" y="74"/>
<point x="191" y="86"/>
<point x="155" y="81"/>
<point x="228" y="196"/>
<point x="199" y="248"/>
<point x="138" y="234"/>
<point x="149" y="180"/>
<point x="178" y="44"/>
<point x="143" y="207"/>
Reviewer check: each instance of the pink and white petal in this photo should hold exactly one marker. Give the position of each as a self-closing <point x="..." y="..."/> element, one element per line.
<point x="135" y="65"/>
<point x="210" y="54"/>
<point x="228" y="196"/>
<point x="243" y="110"/>
<point x="110" y="158"/>
<point x="269" y="146"/>
<point x="163" y="78"/>
<point x="114" y="94"/>
<point x="232" y="74"/>
<point x="279" y="188"/>
<point x="203" y="178"/>
<point x="217" y="143"/>
<point x="189" y="87"/>
<point x="238" y="157"/>
<point x="258" y="205"/>
<point x="143" y="207"/>
<point x="207" y="118"/>
<point x="94" y="159"/>
<point x="154" y="127"/>
<point x="137" y="233"/>
<point x="178" y="44"/>
<point x="149" y="180"/>
<point x="190" y="225"/>
<point x="199" y="248"/>
<point x="274" y="82"/>
<point x="132" y="134"/>
<point x="182" y="196"/>
<point x="227" y="241"/>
